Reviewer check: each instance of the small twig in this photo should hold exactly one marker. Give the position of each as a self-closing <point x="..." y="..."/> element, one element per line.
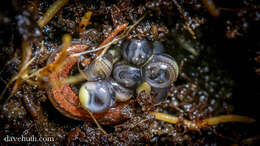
<point x="125" y="34"/>
<point x="136" y="23"/>
<point x="99" y="127"/>
<point x="142" y="121"/>
<point x="20" y="77"/>
<point x="185" y="17"/>
<point x="187" y="46"/>
<point x="211" y="7"/>
<point x="111" y="39"/>
<point x="179" y="8"/>
<point x="58" y="64"/>
<point x="241" y="9"/>
<point x="71" y="80"/>
<point x="95" y="49"/>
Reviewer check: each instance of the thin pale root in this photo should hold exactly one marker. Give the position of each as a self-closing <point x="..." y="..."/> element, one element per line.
<point x="203" y="123"/>
<point x="50" y="13"/>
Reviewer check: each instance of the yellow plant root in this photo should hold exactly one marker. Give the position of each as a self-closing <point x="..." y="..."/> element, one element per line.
<point x="202" y="123"/>
<point x="50" y="13"/>
<point x="57" y="65"/>
<point x="225" y="119"/>
<point x="23" y="70"/>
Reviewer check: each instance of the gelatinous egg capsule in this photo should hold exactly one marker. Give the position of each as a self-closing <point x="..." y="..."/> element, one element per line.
<point x="158" y="48"/>
<point x="96" y="96"/>
<point x="101" y="68"/>
<point x="136" y="51"/>
<point x="160" y="93"/>
<point x="121" y="93"/>
<point x="114" y="54"/>
<point x="160" y="71"/>
<point x="126" y="75"/>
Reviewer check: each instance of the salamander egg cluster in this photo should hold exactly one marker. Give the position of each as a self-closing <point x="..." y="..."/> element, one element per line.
<point x="110" y="79"/>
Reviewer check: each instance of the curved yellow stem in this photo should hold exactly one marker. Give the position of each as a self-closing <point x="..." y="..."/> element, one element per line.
<point x="194" y="125"/>
<point x="50" y="13"/>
